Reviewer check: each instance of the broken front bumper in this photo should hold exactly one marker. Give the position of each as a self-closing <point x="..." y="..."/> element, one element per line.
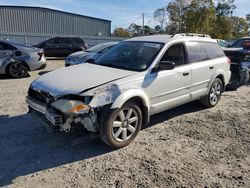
<point x="60" y="121"/>
<point x="50" y="115"/>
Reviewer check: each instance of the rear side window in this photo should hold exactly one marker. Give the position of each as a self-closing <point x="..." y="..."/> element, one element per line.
<point x="78" y="40"/>
<point x="63" y="41"/>
<point x="196" y="52"/>
<point x="51" y="41"/>
<point x="5" y="46"/>
<point x="1" y="46"/>
<point x="213" y="50"/>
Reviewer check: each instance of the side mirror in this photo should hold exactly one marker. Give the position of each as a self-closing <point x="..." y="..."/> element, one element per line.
<point x="166" y="65"/>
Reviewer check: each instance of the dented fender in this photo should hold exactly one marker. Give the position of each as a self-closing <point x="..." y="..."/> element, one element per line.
<point x="125" y="96"/>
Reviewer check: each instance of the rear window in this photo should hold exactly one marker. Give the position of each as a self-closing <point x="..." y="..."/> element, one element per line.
<point x="196" y="52"/>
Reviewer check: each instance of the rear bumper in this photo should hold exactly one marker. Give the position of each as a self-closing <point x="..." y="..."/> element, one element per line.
<point x="42" y="67"/>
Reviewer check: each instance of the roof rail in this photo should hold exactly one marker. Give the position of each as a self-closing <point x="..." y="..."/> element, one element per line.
<point x="190" y="35"/>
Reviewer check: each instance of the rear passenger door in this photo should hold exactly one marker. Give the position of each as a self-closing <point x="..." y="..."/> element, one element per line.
<point x="202" y="67"/>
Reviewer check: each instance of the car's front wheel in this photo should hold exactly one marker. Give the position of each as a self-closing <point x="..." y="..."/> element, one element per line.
<point x="17" y="70"/>
<point x="122" y="125"/>
<point x="213" y="97"/>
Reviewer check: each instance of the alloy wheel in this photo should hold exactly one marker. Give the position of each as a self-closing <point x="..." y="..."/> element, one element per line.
<point x="215" y="93"/>
<point x="18" y="70"/>
<point x="125" y="124"/>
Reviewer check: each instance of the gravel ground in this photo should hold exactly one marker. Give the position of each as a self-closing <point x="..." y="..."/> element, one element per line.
<point x="188" y="146"/>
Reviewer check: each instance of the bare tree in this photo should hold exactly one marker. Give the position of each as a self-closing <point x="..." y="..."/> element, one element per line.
<point x="161" y="16"/>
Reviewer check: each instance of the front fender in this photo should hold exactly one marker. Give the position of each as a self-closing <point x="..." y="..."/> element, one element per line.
<point x="125" y="96"/>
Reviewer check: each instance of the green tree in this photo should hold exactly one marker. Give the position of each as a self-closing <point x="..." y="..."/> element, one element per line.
<point x="223" y="25"/>
<point x="199" y="16"/>
<point x="239" y="27"/>
<point x="121" y="32"/>
<point x="176" y="11"/>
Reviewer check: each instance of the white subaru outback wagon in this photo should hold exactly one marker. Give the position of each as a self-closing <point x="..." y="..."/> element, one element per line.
<point x="116" y="94"/>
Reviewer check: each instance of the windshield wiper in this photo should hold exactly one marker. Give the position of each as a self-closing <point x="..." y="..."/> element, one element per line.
<point x="111" y="65"/>
<point x="91" y="61"/>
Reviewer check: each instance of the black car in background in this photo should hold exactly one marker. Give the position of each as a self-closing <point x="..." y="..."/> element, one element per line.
<point x="240" y="64"/>
<point x="62" y="46"/>
<point x="239" y="43"/>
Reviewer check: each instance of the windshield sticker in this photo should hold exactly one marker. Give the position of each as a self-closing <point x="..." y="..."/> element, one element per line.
<point x="152" y="45"/>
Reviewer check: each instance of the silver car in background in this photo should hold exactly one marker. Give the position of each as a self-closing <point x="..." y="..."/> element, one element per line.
<point x="90" y="54"/>
<point x="17" y="59"/>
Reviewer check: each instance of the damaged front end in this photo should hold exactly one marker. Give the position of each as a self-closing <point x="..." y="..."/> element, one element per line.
<point x="63" y="112"/>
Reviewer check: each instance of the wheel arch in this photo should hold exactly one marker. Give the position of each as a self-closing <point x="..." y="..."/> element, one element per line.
<point x="23" y="62"/>
<point x="219" y="74"/>
<point x="139" y="97"/>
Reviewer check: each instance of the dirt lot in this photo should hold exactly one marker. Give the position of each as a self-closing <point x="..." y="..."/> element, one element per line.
<point x="188" y="146"/>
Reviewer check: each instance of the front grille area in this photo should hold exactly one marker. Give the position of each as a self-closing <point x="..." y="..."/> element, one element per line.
<point x="41" y="96"/>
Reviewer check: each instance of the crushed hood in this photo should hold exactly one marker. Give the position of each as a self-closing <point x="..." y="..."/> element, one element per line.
<point x="75" y="79"/>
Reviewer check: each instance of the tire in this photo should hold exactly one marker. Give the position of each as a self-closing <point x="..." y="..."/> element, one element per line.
<point x="213" y="97"/>
<point x="121" y="126"/>
<point x="17" y="69"/>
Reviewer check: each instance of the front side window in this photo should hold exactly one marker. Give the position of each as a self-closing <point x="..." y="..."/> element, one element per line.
<point x="176" y="54"/>
<point x="196" y="52"/>
<point x="131" y="55"/>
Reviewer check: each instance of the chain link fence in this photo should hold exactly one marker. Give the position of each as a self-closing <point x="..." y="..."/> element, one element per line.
<point x="34" y="39"/>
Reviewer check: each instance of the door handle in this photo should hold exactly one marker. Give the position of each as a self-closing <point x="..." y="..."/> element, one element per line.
<point x="185" y="74"/>
<point x="212" y="67"/>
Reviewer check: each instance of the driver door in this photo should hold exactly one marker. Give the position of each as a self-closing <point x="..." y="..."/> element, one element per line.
<point x="170" y="88"/>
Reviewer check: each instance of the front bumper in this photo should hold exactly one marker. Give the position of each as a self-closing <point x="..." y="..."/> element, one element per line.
<point x="54" y="118"/>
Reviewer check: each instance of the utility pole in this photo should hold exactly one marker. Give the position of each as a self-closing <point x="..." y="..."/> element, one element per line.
<point x="143" y="15"/>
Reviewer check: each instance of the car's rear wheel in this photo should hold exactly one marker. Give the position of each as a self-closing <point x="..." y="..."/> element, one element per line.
<point x="213" y="97"/>
<point x="17" y="70"/>
<point x="122" y="125"/>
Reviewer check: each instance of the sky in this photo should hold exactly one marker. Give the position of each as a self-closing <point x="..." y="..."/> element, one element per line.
<point x="120" y="12"/>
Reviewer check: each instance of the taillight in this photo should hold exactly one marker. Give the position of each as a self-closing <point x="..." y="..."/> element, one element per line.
<point x="40" y="54"/>
<point x="228" y="61"/>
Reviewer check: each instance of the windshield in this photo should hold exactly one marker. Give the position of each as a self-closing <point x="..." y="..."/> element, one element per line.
<point x="99" y="47"/>
<point x="131" y="55"/>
